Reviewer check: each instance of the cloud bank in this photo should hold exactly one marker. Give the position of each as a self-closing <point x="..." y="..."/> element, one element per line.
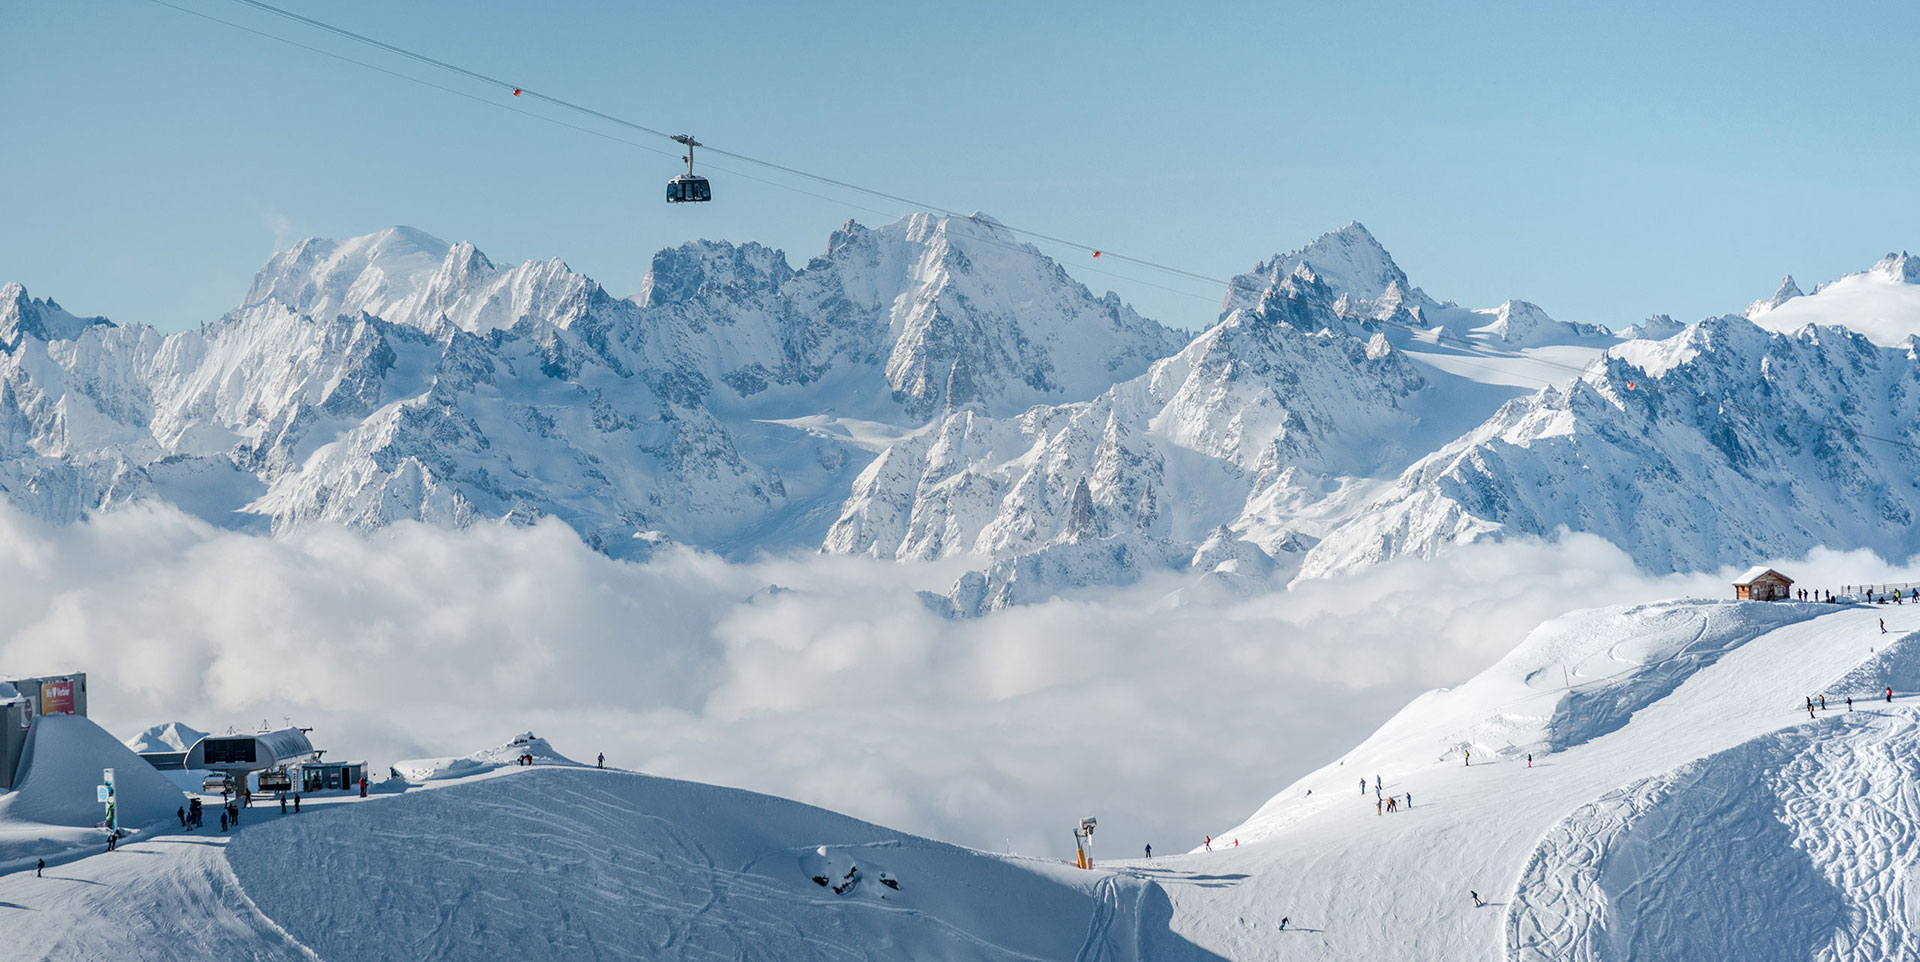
<point x="819" y="678"/>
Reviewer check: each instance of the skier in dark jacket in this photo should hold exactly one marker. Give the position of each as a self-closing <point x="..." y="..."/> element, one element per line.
<point x="41" y="866"/>
<point x="1477" y="902"/>
<point x="182" y="815"/>
<point x="1149" y="851"/>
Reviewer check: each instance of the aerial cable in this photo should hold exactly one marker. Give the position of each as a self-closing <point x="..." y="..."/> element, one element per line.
<point x="519" y="90"/>
<point x="1231" y="284"/>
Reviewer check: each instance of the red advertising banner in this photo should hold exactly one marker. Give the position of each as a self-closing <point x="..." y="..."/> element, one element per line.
<point x="56" y="697"/>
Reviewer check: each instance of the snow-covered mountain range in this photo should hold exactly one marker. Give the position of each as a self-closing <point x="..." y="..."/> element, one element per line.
<point x="936" y="388"/>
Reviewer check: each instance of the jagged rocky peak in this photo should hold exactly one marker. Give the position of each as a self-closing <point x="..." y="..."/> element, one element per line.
<point x="1787" y="291"/>
<point x="1657" y="327"/>
<point x="1902" y="268"/>
<point x="368" y="273"/>
<point x="22" y="317"/>
<point x="685" y="273"/>
<point x="1349" y="264"/>
<point x="1524" y="324"/>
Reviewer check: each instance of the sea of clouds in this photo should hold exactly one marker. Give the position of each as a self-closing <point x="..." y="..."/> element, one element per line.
<point x="1168" y="713"/>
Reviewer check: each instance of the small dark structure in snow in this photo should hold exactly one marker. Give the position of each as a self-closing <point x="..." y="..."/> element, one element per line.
<point x="1763" y="584"/>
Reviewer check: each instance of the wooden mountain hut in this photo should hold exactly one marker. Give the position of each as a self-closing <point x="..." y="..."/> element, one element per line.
<point x="1763" y="584"/>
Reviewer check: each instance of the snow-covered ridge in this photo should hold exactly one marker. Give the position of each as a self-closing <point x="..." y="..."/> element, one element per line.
<point x="397" y="377"/>
<point x="1882" y="302"/>
<point x="935" y="388"/>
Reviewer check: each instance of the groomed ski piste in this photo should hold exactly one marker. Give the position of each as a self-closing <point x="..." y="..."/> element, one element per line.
<point x="1681" y="803"/>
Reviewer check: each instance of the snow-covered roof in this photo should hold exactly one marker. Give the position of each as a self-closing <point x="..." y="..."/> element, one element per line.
<point x="1753" y="574"/>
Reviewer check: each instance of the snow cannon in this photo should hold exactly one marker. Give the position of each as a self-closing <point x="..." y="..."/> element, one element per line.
<point x="1083" y="841"/>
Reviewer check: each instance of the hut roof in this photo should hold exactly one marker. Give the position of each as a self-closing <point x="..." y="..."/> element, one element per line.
<point x="1756" y="572"/>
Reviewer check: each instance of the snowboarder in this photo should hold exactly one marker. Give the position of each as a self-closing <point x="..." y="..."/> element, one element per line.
<point x="601" y="762"/>
<point x="1476" y="898"/>
<point x="41" y="866"/>
<point x="1149" y="851"/>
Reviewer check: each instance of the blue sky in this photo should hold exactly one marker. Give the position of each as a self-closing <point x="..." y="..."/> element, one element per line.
<point x="1605" y="164"/>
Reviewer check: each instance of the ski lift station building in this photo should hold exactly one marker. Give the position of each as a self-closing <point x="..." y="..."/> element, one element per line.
<point x="24" y="699"/>
<point x="238" y="755"/>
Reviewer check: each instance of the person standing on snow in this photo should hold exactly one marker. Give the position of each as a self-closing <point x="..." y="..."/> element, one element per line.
<point x="1467" y="755"/>
<point x="1883" y="626"/>
<point x="1363" y="786"/>
<point x="1476" y="898"/>
<point x="41" y="866"/>
<point x="1283" y="923"/>
<point x="1149" y="851"/>
<point x="1849" y="702"/>
<point x="1409" y="799"/>
<point x="223" y="819"/>
<point x="601" y="762"/>
<point x="1823" y="701"/>
<point x="296" y="804"/>
<point x="1377" y="803"/>
<point x="181" y="814"/>
<point x="1889" y="694"/>
<point x="283" y="804"/>
<point x="1529" y="759"/>
<point x="1209" y="843"/>
<point x="1376" y="784"/>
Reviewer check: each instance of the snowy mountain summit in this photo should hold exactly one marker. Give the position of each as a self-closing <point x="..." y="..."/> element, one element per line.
<point x="934" y="388"/>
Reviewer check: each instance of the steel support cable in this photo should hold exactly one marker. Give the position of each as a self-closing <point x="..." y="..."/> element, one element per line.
<point x="1230" y="284"/>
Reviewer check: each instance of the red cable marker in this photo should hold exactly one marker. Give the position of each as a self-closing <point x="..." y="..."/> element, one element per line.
<point x="516" y="91"/>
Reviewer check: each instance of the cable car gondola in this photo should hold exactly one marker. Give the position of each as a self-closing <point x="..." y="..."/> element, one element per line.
<point x="688" y="187"/>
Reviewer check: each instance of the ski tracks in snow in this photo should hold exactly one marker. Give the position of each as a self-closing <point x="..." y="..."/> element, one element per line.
<point x="1799" y="844"/>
